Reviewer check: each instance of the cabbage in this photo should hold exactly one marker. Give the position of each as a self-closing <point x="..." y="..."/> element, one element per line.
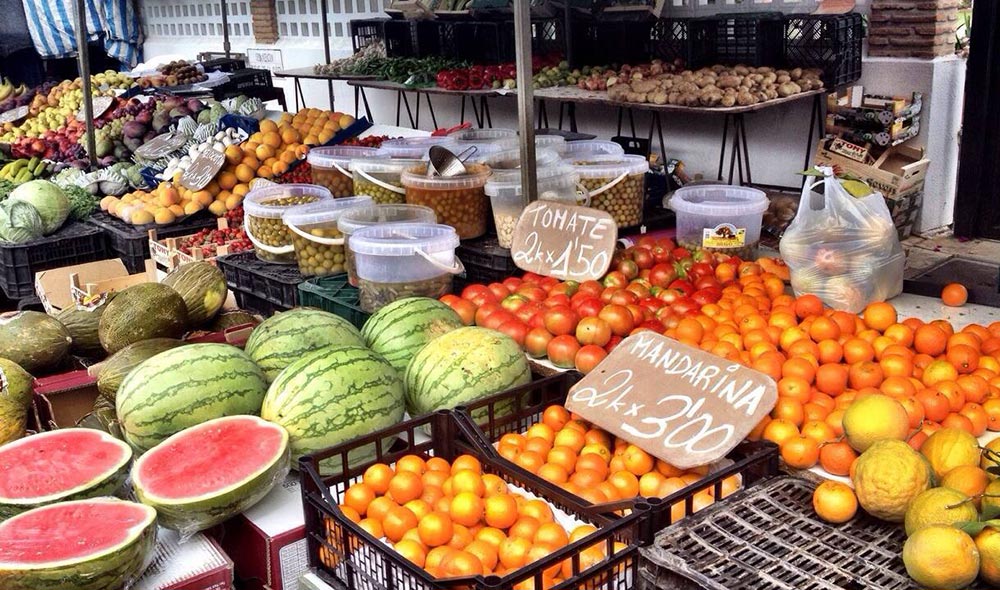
<point x="19" y="222"/>
<point x="48" y="199"/>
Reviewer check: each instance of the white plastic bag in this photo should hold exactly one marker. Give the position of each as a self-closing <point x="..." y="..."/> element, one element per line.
<point x="843" y="249"/>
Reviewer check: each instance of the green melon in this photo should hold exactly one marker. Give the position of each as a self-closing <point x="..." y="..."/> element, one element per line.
<point x="288" y="336"/>
<point x="141" y="312"/>
<point x="34" y="340"/>
<point x="15" y="401"/>
<point x="203" y="288"/>
<point x="113" y="371"/>
<point x="334" y="395"/>
<point x="400" y="329"/>
<point x="82" y="323"/>
<point x="184" y="387"/>
<point x="231" y="319"/>
<point x="462" y="366"/>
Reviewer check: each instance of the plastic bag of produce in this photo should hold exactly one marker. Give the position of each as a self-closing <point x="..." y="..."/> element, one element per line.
<point x="19" y="222"/>
<point x="841" y="248"/>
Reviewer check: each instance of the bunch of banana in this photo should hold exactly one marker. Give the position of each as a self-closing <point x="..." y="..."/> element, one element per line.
<point x="23" y="169"/>
<point x="7" y="89"/>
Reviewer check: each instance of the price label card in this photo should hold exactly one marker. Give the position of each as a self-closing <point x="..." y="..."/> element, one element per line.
<point x="203" y="169"/>
<point x="161" y="145"/>
<point x="101" y="104"/>
<point x="14" y="115"/>
<point x="678" y="403"/>
<point x="564" y="241"/>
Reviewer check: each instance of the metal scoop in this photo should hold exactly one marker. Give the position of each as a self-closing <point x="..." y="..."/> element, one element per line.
<point x="444" y="163"/>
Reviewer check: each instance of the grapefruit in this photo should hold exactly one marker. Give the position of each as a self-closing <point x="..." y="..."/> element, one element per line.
<point x="939" y="506"/>
<point x="949" y="448"/>
<point x="941" y="556"/>
<point x="873" y="418"/>
<point x="887" y="477"/>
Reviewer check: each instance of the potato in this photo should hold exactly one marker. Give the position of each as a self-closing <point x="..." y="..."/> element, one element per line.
<point x="788" y="89"/>
<point x="644" y="86"/>
<point x="796" y="73"/>
<point x="741" y="70"/>
<point x="728" y="82"/>
<point x="728" y="100"/>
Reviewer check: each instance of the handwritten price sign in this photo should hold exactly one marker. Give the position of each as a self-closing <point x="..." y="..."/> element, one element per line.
<point x="203" y="169"/>
<point x="564" y="241"/>
<point x="678" y="403"/>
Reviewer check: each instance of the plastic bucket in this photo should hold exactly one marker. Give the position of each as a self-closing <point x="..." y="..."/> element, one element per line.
<point x="318" y="243"/>
<point x="358" y="218"/>
<point x="458" y="201"/>
<point x="591" y="147"/>
<point x="556" y="183"/>
<point x="331" y="167"/>
<point x="381" y="178"/>
<point x="415" y="148"/>
<point x="719" y="217"/>
<point x="263" y="209"/>
<point x="616" y="185"/>
<point x="486" y="141"/>
<point x="511" y="159"/>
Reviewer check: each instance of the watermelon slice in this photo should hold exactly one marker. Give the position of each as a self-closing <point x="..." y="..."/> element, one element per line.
<point x="93" y="544"/>
<point x="208" y="473"/>
<point x="69" y="464"/>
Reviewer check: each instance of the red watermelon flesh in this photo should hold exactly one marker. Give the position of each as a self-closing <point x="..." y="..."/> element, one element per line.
<point x="70" y="530"/>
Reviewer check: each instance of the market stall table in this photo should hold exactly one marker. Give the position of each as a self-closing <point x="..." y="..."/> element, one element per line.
<point x="482" y="112"/>
<point x="299" y="74"/>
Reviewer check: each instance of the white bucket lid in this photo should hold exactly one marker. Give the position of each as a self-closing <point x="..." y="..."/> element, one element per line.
<point x="718" y="200"/>
<point x="384" y="165"/>
<point x="588" y="147"/>
<point x="510" y="159"/>
<point x="596" y="166"/>
<point x="357" y="218"/>
<point x="337" y="156"/>
<point x="256" y="202"/>
<point x="508" y="183"/>
<point x="488" y="134"/>
<point x="415" y="147"/>
<point x="404" y="239"/>
<point x="323" y="211"/>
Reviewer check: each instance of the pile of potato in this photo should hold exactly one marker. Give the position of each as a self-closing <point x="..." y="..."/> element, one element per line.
<point x="717" y="86"/>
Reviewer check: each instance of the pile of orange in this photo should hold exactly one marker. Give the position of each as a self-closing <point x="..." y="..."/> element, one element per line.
<point x="316" y="125"/>
<point x="598" y="466"/>
<point x="165" y="203"/>
<point x="453" y="520"/>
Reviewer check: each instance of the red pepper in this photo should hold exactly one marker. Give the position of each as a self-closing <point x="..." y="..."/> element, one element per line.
<point x="477" y="70"/>
<point x="459" y="80"/>
<point x="443" y="78"/>
<point x="476" y="81"/>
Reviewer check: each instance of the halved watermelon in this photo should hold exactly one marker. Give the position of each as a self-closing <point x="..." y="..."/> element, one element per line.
<point x="93" y="544"/>
<point x="208" y="473"/>
<point x="68" y="464"/>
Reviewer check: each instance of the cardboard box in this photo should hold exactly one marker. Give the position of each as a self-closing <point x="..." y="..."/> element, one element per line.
<point x="268" y="542"/>
<point x="60" y="288"/>
<point x="196" y="564"/>
<point x="60" y="401"/>
<point x="854" y="105"/>
<point x="167" y="252"/>
<point x="905" y="209"/>
<point x="896" y="172"/>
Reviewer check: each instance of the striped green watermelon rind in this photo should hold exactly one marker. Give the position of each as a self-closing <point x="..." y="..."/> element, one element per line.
<point x="332" y="396"/>
<point x="462" y="366"/>
<point x="184" y="387"/>
<point x="202" y="286"/>
<point x="400" y="329"/>
<point x="118" y="568"/>
<point x="191" y="515"/>
<point x="288" y="336"/>
<point x="110" y="483"/>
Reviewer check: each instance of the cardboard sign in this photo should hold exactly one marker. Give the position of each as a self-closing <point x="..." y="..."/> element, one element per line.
<point x="564" y="241"/>
<point x="265" y="59"/>
<point x="14" y="115"/>
<point x="678" y="403"/>
<point x="203" y="169"/>
<point x="101" y="104"/>
<point x="161" y="146"/>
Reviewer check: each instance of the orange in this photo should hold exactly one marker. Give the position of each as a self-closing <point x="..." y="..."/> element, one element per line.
<point x="540" y="430"/>
<point x="808" y="305"/>
<point x="800" y="452"/>
<point x="537" y="509"/>
<point x="358" y="497"/>
<point x="399" y="520"/>
<point x="524" y="527"/>
<point x="380" y="507"/>
<point x="790" y="410"/>
<point x="819" y="431"/>
<point x="638" y="461"/>
<point x="835" y="502"/>
<point x="879" y="315"/>
<point x="799" y="368"/>
<point x="837" y="457"/>
<point x="592" y="462"/>
<point x="513" y="439"/>
<point x="975" y="388"/>
<point x="939" y="372"/>
<point x="831" y="378"/>
<point x="539" y="552"/>
<point x="411" y="463"/>
<point x="491" y="535"/>
<point x="570" y="438"/>
<point x="626" y="483"/>
<point x="565" y="457"/>
<point x="824" y="328"/>
<point x="460" y="537"/>
<point x="434" y="479"/>
<point x="551" y="534"/>
<point x="412" y="551"/>
<point x="530" y="460"/>
<point x="513" y="552"/>
<point x="555" y="417"/>
<point x="930" y="339"/>
<point x="598" y="450"/>
<point x="461" y="563"/>
<point x="936" y="405"/>
<point x="977" y="416"/>
<point x="896" y="366"/>
<point x="372" y="527"/>
<point x="419" y="507"/>
<point x="954" y="295"/>
<point x="466" y="480"/>
<point x="377" y="478"/>
<point x="351" y="514"/>
<point x="554" y="473"/>
<point x="405" y="486"/>
<point x="436" y="556"/>
<point x="956" y="420"/>
<point x="914" y="410"/>
<point x="586" y="478"/>
<point x="865" y="374"/>
<point x="500" y="511"/>
<point x="493" y="485"/>
<point x="964" y="358"/>
<point x="539" y="445"/>
<point x="435" y="529"/>
<point x="466" y="509"/>
<point x="901" y="334"/>
<point x="779" y="430"/>
<point x="466" y="462"/>
<point x="649" y="484"/>
<point x="485" y="552"/>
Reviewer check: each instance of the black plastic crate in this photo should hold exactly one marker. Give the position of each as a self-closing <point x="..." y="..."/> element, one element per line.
<point x="258" y="305"/>
<point x="346" y="556"/>
<point x="131" y="243"/>
<point x="548" y="37"/>
<point x="223" y="64"/>
<point x="74" y="243"/>
<point x="335" y="295"/>
<point x="242" y="82"/>
<point x="365" y="31"/>
<point x="602" y="42"/>
<point x="477" y="42"/>
<point x="731" y="39"/>
<point x="670" y="40"/>
<point x="276" y="284"/>
<point x="831" y="42"/>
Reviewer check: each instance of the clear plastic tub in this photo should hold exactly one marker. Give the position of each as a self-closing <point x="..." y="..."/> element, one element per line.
<point x="511" y="159"/>
<point x="415" y="148"/>
<point x="719" y="218"/>
<point x="486" y="141"/>
<point x="319" y="244"/>
<point x="331" y="167"/>
<point x="355" y="219"/>
<point x="591" y="147"/>
<point x="617" y="185"/>
<point x="556" y="183"/>
<point x="380" y="178"/>
<point x="458" y="201"/>
<point x="399" y="260"/>
<point x="263" y="209"/>
<point x="556" y="143"/>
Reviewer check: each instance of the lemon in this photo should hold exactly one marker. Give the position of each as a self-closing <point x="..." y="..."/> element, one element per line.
<point x="939" y="506"/>
<point x="887" y="477"/>
<point x="873" y="418"/>
<point x="992" y="458"/>
<point x="941" y="556"/>
<point x="988" y="543"/>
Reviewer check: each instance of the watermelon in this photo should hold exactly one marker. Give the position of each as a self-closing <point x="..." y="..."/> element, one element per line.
<point x="96" y="544"/>
<point x="15" y="400"/>
<point x="332" y="396"/>
<point x="141" y="312"/>
<point x="67" y="464"/>
<point x="202" y="286"/>
<point x="288" y="336"/>
<point x="184" y="387"/>
<point x="113" y="371"/>
<point x="231" y="319"/>
<point x="33" y="340"/>
<point x="208" y="473"/>
<point x="462" y="366"/>
<point x="400" y="329"/>
<point x="82" y="322"/>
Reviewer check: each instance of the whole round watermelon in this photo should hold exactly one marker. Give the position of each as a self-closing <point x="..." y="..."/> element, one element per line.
<point x="202" y="286"/>
<point x="34" y="340"/>
<point x="141" y="312"/>
<point x="334" y="395"/>
<point x="288" y="336"/>
<point x="186" y="386"/>
<point x="15" y="399"/>
<point x="398" y="330"/>
<point x="464" y="365"/>
<point x="114" y="370"/>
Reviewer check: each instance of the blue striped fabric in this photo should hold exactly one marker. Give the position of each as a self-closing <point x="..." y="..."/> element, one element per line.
<point x="114" y="22"/>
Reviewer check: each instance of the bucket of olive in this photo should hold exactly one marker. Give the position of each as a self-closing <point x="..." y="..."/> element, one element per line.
<point x="331" y="167"/>
<point x="381" y="178"/>
<point x="459" y="201"/>
<point x="262" y="211"/>
<point x="319" y="245"/>
<point x="400" y="260"/>
<point x="358" y="218"/>
<point x="555" y="183"/>
<point x="617" y="185"/>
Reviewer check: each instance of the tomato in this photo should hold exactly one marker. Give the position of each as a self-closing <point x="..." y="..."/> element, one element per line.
<point x="662" y="275"/>
<point x="684" y="305"/>
<point x="591" y="287"/>
<point x="706" y="296"/>
<point x="615" y="279"/>
<point x="478" y="294"/>
<point x="661" y="255"/>
<point x="708" y="282"/>
<point x="465" y="310"/>
<point x="629" y="269"/>
<point x="560" y="320"/>
<point x="614" y="342"/>
<point x="639" y="288"/>
<point x="668" y="296"/>
<point x="646" y="242"/>
<point x="538" y="320"/>
<point x="682" y="286"/>
<point x="499" y="290"/>
<point x="593" y="331"/>
<point x="588" y="357"/>
<point x="653" y="325"/>
<point x="547" y="283"/>
<point x="608" y="292"/>
<point x="700" y="255"/>
<point x="643" y="258"/>
<point x="682" y="266"/>
<point x="512" y="283"/>
<point x="651" y="304"/>
<point x="531" y="278"/>
<point x="449" y="299"/>
<point x="498" y="317"/>
<point x="679" y="253"/>
<point x="532" y="292"/>
<point x="513" y="302"/>
<point x="668" y="317"/>
<point x="619" y="318"/>
<point x="567" y="288"/>
<point x="528" y="310"/>
<point x="536" y="341"/>
<point x="700" y="269"/>
<point x="562" y="351"/>
<point x="590" y="307"/>
<point x="749" y="268"/>
<point x="624" y="297"/>
<point x="486" y="310"/>
<point x="516" y="329"/>
<point x="560" y="299"/>
<point x="638" y="314"/>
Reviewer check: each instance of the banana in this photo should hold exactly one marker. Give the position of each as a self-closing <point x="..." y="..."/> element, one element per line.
<point x="39" y="169"/>
<point x="24" y="176"/>
<point x="6" y="89"/>
<point x="20" y="90"/>
<point x="15" y="167"/>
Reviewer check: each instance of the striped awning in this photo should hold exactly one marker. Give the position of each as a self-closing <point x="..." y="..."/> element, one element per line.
<point x="113" y="22"/>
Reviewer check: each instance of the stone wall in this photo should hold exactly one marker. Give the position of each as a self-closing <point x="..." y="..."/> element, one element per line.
<point x="912" y="28"/>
